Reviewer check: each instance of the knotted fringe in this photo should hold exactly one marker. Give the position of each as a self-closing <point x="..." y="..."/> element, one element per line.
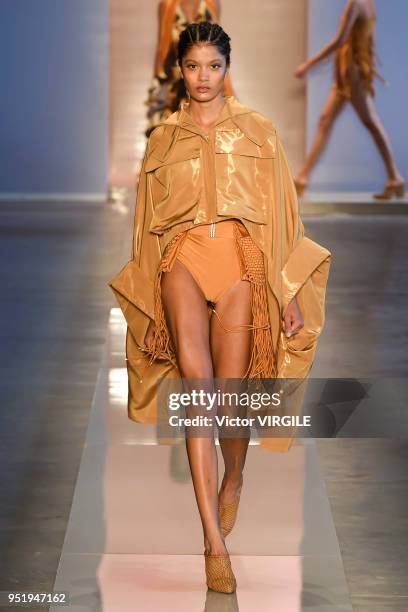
<point x="161" y="345"/>
<point x="263" y="360"/>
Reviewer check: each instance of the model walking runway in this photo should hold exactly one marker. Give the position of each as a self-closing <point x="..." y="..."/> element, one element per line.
<point x="216" y="159"/>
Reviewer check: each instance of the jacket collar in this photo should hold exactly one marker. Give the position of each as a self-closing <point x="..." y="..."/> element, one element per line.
<point x="232" y="108"/>
<point x="233" y="115"/>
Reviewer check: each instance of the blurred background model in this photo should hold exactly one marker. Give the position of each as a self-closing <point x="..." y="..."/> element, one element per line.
<point x="354" y="73"/>
<point x="167" y="88"/>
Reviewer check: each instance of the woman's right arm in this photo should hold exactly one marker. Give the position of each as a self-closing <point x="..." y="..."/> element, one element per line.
<point x="145" y="246"/>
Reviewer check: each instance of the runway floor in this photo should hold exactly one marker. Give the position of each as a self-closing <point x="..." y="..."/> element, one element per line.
<point x="90" y="499"/>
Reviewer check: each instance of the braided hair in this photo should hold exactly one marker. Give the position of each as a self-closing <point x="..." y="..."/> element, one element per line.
<point x="204" y="32"/>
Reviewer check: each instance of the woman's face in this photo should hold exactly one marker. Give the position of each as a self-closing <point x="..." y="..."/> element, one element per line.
<point x="204" y="69"/>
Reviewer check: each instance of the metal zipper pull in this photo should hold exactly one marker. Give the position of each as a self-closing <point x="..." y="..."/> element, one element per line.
<point x="212" y="230"/>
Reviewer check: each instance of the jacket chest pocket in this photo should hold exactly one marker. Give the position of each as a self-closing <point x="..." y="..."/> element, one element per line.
<point x="175" y="186"/>
<point x="244" y="175"/>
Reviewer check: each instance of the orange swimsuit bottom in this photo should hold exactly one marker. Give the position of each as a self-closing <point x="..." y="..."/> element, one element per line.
<point x="217" y="256"/>
<point x="210" y="254"/>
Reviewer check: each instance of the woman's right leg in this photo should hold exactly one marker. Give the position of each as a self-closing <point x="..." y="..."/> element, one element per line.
<point x="186" y="313"/>
<point x="334" y="104"/>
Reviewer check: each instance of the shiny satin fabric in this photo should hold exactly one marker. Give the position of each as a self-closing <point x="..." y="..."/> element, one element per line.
<point x="239" y="170"/>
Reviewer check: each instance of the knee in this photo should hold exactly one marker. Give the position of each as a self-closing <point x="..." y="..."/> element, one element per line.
<point x="194" y="363"/>
<point x="368" y="122"/>
<point x="234" y="432"/>
<point x="325" y="121"/>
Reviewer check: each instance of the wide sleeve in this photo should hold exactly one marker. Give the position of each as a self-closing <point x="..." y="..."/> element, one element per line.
<point x="304" y="271"/>
<point x="301" y="255"/>
<point x="294" y="229"/>
<point x="145" y="245"/>
<point x="133" y="285"/>
<point x="304" y="274"/>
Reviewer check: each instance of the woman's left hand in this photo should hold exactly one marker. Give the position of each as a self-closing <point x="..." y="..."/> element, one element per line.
<point x="292" y="321"/>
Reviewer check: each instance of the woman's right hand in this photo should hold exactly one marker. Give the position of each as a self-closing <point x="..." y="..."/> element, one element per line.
<point x="149" y="340"/>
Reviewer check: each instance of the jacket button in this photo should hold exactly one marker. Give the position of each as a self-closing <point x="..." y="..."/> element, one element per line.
<point x="141" y="303"/>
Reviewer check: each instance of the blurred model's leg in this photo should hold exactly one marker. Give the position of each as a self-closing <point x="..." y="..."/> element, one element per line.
<point x="332" y="108"/>
<point x="363" y="104"/>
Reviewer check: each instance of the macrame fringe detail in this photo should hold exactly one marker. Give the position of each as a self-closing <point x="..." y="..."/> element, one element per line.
<point x="263" y="359"/>
<point x="161" y="345"/>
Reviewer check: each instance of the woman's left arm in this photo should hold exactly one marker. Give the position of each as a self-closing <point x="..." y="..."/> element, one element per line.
<point x="292" y="319"/>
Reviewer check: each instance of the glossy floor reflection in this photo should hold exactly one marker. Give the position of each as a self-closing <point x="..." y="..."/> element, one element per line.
<point x="134" y="538"/>
<point x="174" y="583"/>
<point x="56" y="339"/>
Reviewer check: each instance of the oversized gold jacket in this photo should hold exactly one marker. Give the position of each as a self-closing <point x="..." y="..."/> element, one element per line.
<point x="239" y="170"/>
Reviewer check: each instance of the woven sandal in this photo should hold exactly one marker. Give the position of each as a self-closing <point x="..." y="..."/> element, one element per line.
<point x="219" y="574"/>
<point x="228" y="514"/>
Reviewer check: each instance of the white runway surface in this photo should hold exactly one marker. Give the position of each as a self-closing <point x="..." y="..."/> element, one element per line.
<point x="134" y="538"/>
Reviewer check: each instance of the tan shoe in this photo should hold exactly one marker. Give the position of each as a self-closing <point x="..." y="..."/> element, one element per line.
<point x="228" y="513"/>
<point x="392" y="188"/>
<point x="219" y="574"/>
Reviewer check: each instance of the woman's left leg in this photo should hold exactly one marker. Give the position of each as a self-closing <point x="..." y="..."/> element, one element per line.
<point x="231" y="354"/>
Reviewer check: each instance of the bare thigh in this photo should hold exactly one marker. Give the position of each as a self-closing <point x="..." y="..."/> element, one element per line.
<point x="362" y="101"/>
<point x="333" y="106"/>
<point x="203" y="347"/>
<point x="231" y="349"/>
<point x="186" y="312"/>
